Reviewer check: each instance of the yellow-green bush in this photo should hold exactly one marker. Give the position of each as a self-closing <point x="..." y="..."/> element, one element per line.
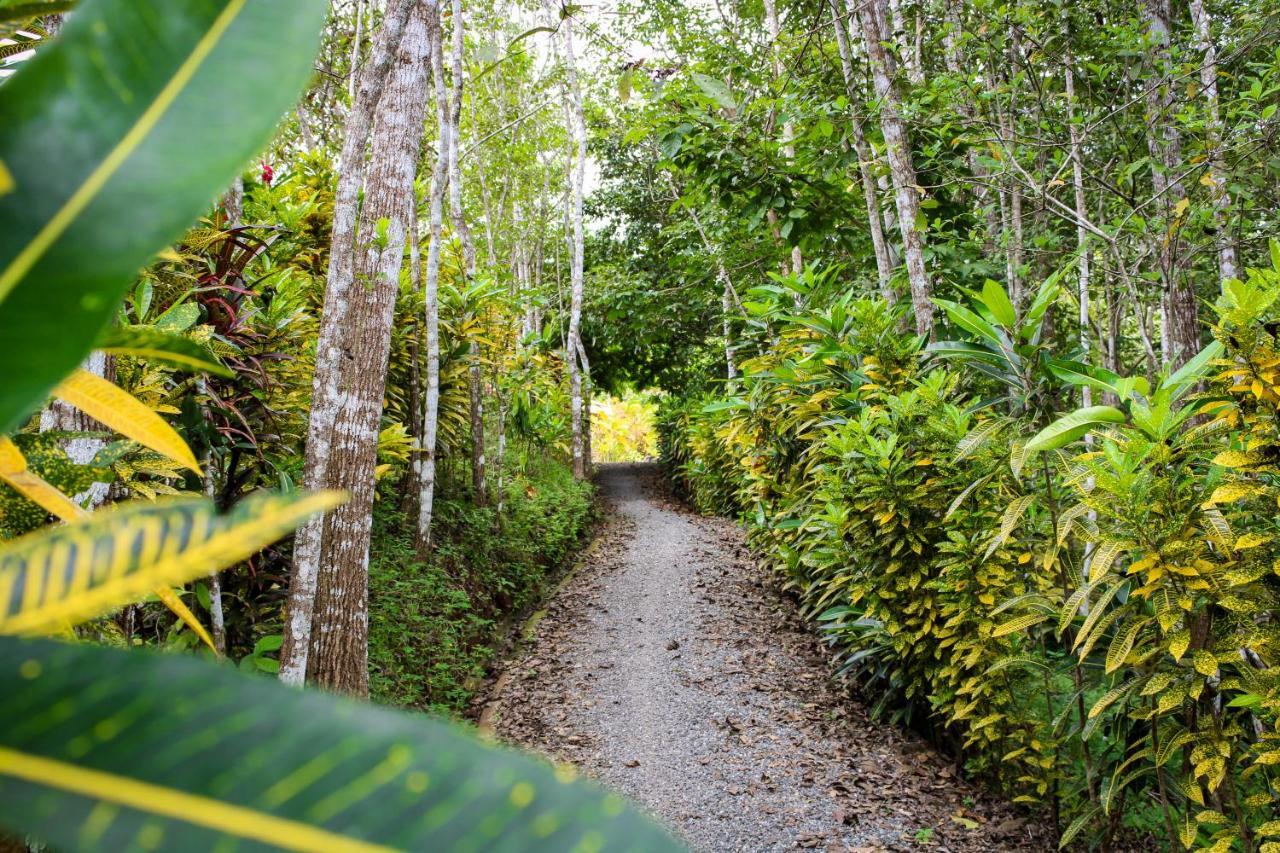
<point x="1092" y="626"/>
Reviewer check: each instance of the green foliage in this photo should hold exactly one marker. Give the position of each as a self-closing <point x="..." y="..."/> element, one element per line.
<point x="274" y="767"/>
<point x="1092" y="626"/>
<point x="72" y="238"/>
<point x="433" y="626"/>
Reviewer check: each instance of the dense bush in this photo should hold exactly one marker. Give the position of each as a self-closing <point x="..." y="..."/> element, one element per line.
<point x="1080" y="603"/>
<point x="433" y="625"/>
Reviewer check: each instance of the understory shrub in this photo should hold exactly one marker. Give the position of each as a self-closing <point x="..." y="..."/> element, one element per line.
<point x="1080" y="602"/>
<point x="434" y="625"/>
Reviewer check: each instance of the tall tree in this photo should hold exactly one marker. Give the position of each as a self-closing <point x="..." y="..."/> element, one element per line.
<point x="458" y="217"/>
<point x="1180" y="326"/>
<point x="573" y="346"/>
<point x="425" y="472"/>
<point x="351" y="360"/>
<point x="788" y="127"/>
<point x="875" y="224"/>
<point x="871" y="16"/>
<point x="1217" y="178"/>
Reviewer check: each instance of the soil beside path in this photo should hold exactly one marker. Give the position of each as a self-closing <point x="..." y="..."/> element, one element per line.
<point x="670" y="668"/>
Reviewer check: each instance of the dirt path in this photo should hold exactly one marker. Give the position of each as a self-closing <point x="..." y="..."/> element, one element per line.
<point x="671" y="669"/>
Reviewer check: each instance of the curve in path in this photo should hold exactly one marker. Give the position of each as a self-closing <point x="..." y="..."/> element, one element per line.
<point x="670" y="668"/>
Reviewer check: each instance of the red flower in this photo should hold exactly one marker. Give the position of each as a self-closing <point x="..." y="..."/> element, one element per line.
<point x="268" y="173"/>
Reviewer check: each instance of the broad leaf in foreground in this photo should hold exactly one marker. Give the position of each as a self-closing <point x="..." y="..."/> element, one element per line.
<point x="115" y="138"/>
<point x="106" y="750"/>
<point x="77" y="571"/>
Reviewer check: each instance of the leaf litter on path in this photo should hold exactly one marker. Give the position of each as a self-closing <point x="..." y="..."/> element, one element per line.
<point x="740" y="741"/>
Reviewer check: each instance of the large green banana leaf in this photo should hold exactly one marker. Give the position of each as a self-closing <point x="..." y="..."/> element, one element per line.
<point x="113" y="139"/>
<point x="109" y="750"/>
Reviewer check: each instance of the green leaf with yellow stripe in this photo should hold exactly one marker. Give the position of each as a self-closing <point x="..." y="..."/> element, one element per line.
<point x="172" y="753"/>
<point x="77" y="571"/>
<point x="115" y="137"/>
<point x="155" y="344"/>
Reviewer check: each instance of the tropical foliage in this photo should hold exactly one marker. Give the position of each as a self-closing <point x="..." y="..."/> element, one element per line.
<point x="1082" y="608"/>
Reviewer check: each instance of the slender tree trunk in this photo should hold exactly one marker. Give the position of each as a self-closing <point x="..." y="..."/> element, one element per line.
<point x="1180" y="331"/>
<point x="355" y="50"/>
<point x="573" y="346"/>
<point x="326" y="396"/>
<point x="426" y="470"/>
<point x="1227" y="263"/>
<point x="884" y="265"/>
<point x="1013" y="182"/>
<point x="475" y="380"/>
<point x="907" y="49"/>
<point x="233" y="202"/>
<point x="1083" y="266"/>
<point x="788" y="129"/>
<point x="902" y="170"/>
<point x="217" y="619"/>
<point x="958" y="67"/>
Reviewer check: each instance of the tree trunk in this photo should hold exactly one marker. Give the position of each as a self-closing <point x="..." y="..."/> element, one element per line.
<point x="902" y="170"/>
<point x="64" y="417"/>
<point x="463" y="231"/>
<point x="328" y="397"/>
<point x="578" y="130"/>
<point x="355" y="50"/>
<point x="1180" y="331"/>
<point x="875" y="224"/>
<point x="1227" y="263"/>
<point x="233" y="202"/>
<point x="788" y="130"/>
<point x="426" y="469"/>
<point x="1013" y="183"/>
<point x="339" y="659"/>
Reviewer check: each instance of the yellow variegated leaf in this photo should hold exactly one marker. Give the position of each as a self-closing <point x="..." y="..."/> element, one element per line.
<point x="1230" y="492"/>
<point x="14" y="471"/>
<point x="1019" y="623"/>
<point x="1251" y="540"/>
<point x="115" y="407"/>
<point x="1018" y="455"/>
<point x="1235" y="459"/>
<point x="1109" y="699"/>
<point x="1098" y="632"/>
<point x="1012" y="515"/>
<point x="180" y="609"/>
<point x="6" y="179"/>
<point x="1104" y="556"/>
<point x="75" y="572"/>
<point x="1204" y="662"/>
<point x="1122" y="644"/>
<point x="1096" y="610"/>
<point x="1178" y="643"/>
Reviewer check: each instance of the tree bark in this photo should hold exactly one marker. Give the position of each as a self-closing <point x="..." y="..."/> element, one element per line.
<point x="339" y="657"/>
<point x="1180" y="329"/>
<point x="898" y="147"/>
<point x="457" y="213"/>
<point x="875" y="224"/>
<point x="327" y="397"/>
<point x="426" y="469"/>
<point x="64" y="417"/>
<point x="573" y="346"/>
<point x="788" y="129"/>
<point x="1227" y="262"/>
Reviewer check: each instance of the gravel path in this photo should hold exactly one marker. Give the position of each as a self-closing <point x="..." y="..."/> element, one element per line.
<point x="670" y="668"/>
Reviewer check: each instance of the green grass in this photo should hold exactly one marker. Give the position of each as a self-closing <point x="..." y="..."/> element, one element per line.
<point x="433" y="626"/>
